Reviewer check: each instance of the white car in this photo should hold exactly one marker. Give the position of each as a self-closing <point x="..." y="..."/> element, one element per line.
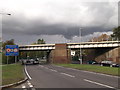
<point x="30" y="61"/>
<point x="109" y="63"/>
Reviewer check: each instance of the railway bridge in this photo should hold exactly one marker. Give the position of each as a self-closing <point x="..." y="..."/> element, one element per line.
<point x="61" y="53"/>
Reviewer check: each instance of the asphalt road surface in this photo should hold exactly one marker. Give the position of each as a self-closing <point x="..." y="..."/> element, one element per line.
<point x="51" y="76"/>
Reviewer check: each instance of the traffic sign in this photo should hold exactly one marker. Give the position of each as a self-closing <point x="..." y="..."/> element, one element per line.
<point x="12" y="50"/>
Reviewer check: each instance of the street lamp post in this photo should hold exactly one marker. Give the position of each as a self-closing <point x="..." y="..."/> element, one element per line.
<point x="1" y="28"/>
<point x="5" y="14"/>
<point x="1" y="19"/>
<point x="80" y="34"/>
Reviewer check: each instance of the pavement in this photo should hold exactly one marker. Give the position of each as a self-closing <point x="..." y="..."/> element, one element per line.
<point x="52" y="76"/>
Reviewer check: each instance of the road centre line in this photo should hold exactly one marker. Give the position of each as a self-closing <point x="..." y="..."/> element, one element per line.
<point x="89" y="72"/>
<point x="53" y="70"/>
<point x="98" y="83"/>
<point x="41" y="66"/>
<point x="100" y="74"/>
<point x="67" y="75"/>
<point x="46" y="67"/>
<point x="73" y="69"/>
<point x="27" y="73"/>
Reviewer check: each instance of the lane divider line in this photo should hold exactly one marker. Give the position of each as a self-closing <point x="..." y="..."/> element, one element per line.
<point x="67" y="75"/>
<point x="98" y="83"/>
<point x="53" y="70"/>
<point x="46" y="67"/>
<point x="100" y="74"/>
<point x="27" y="73"/>
<point x="41" y="66"/>
<point x="89" y="72"/>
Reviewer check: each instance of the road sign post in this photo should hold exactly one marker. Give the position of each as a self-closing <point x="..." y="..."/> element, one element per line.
<point x="12" y="50"/>
<point x="7" y="59"/>
<point x="15" y="59"/>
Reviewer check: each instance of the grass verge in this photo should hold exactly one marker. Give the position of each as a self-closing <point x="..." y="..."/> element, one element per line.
<point x="94" y="68"/>
<point x="12" y="73"/>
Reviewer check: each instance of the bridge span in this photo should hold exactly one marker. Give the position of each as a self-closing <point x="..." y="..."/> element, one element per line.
<point x="104" y="44"/>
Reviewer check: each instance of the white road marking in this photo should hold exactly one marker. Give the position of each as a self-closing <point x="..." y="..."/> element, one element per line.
<point x="53" y="70"/>
<point x="30" y="85"/>
<point x="28" y="81"/>
<point x="98" y="83"/>
<point x="46" y="68"/>
<point x="23" y="86"/>
<point x="67" y="74"/>
<point x="41" y="66"/>
<point x="58" y="66"/>
<point x="101" y="74"/>
<point x="89" y="72"/>
<point x="73" y="69"/>
<point x="27" y="73"/>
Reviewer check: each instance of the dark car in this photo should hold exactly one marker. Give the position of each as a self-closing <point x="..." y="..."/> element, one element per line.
<point x="92" y="62"/>
<point x="36" y="61"/>
<point x="109" y="63"/>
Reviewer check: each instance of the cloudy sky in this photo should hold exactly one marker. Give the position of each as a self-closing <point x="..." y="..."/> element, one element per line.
<point x="57" y="21"/>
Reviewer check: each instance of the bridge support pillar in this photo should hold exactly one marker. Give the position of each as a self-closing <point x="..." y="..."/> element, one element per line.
<point x="61" y="54"/>
<point x="109" y="54"/>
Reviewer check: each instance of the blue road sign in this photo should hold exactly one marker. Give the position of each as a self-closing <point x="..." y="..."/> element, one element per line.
<point x="12" y="50"/>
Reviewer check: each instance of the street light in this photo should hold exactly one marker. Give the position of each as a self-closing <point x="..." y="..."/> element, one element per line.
<point x="5" y="14"/>
<point x="80" y="34"/>
<point x="1" y="26"/>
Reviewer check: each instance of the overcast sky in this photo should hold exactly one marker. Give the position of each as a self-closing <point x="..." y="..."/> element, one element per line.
<point x="57" y="21"/>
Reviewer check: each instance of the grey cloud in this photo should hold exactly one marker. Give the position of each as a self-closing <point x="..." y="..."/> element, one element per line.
<point x="19" y="25"/>
<point x="39" y="27"/>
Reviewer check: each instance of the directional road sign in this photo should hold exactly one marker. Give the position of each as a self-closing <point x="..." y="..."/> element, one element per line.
<point x="12" y="50"/>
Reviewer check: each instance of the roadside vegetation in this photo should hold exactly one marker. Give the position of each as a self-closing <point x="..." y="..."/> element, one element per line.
<point x="0" y="58"/>
<point x="12" y="73"/>
<point x="94" y="68"/>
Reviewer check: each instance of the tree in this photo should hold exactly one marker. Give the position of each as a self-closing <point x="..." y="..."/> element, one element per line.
<point x="40" y="41"/>
<point x="8" y="42"/>
<point x="103" y="37"/>
<point x="116" y="33"/>
<point x="4" y="58"/>
<point x="34" y="54"/>
<point x="40" y="53"/>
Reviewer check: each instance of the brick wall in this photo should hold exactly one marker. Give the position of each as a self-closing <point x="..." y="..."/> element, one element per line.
<point x="112" y="54"/>
<point x="60" y="55"/>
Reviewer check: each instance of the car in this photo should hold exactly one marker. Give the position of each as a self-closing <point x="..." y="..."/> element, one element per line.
<point x="36" y="61"/>
<point x="109" y="63"/>
<point x="30" y="61"/>
<point x="92" y="62"/>
<point x="115" y="65"/>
